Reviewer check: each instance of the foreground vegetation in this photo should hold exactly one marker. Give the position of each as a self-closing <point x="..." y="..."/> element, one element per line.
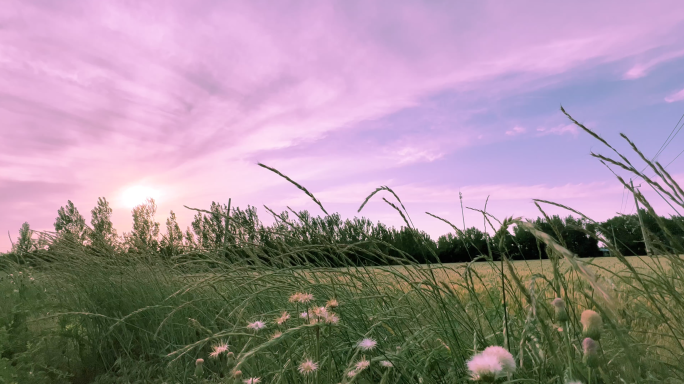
<point x="325" y="311"/>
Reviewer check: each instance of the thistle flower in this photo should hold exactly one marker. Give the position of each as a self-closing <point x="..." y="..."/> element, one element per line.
<point x="367" y="344"/>
<point x="386" y="364"/>
<point x="320" y="312"/>
<point x="484" y="368"/>
<point x="332" y="303"/>
<point x="362" y="364"/>
<point x="199" y="367"/>
<point x="304" y="315"/>
<point x="283" y="318"/>
<point x="237" y="374"/>
<point x="218" y="350"/>
<point x="503" y="356"/>
<point x="591" y="324"/>
<point x="490" y="364"/>
<point x="560" y="311"/>
<point x="332" y="319"/>
<point x="257" y="325"/>
<point x="252" y="380"/>
<point x="590" y="357"/>
<point x="352" y="373"/>
<point x="301" y="297"/>
<point x="307" y="367"/>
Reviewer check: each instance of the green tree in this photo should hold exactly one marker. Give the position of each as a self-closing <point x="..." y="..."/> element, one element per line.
<point x="25" y="241"/>
<point x="145" y="234"/>
<point x="70" y="225"/>
<point x="172" y="242"/>
<point x="103" y="233"/>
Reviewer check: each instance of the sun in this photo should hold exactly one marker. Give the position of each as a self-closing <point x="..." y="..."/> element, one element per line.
<point x="138" y="194"/>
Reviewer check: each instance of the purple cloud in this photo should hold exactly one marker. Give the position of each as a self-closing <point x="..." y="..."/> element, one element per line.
<point x="185" y="98"/>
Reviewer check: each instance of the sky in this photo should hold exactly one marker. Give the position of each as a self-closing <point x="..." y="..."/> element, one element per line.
<point x="180" y="100"/>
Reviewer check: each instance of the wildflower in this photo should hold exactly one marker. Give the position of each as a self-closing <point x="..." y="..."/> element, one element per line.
<point x="237" y="373"/>
<point x="492" y="363"/>
<point x="283" y="318"/>
<point x="362" y="364"/>
<point x="307" y="367"/>
<point x="332" y="303"/>
<point x="320" y="312"/>
<point x="367" y="344"/>
<point x="590" y="357"/>
<point x="560" y="311"/>
<point x="352" y="373"/>
<point x="257" y="325"/>
<point x="304" y="315"/>
<point x="199" y="369"/>
<point x="218" y="350"/>
<point x="276" y="335"/>
<point x="301" y="297"/>
<point x="332" y="319"/>
<point x="503" y="356"/>
<point x="591" y="324"/>
<point x="252" y="380"/>
<point x="386" y="364"/>
<point x="484" y="368"/>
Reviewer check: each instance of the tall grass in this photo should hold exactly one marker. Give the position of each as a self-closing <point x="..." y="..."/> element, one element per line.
<point x="108" y="319"/>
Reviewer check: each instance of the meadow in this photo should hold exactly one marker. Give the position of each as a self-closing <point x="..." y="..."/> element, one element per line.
<point x="200" y="317"/>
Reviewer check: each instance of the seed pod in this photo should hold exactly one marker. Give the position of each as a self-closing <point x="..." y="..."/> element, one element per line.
<point x="199" y="367"/>
<point x="590" y="357"/>
<point x="591" y="324"/>
<point x="560" y="311"/>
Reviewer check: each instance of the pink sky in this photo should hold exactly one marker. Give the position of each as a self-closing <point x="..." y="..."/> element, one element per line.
<point x="428" y="98"/>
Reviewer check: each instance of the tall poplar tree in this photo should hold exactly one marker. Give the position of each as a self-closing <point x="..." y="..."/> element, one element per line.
<point x="103" y="233"/>
<point x="172" y="242"/>
<point x="70" y="225"/>
<point x="145" y="233"/>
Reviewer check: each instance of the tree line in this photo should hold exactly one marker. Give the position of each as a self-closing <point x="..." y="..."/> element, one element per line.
<point x="224" y="229"/>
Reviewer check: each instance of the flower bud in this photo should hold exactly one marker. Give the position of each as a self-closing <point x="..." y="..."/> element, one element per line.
<point x="199" y="367"/>
<point x="591" y="324"/>
<point x="590" y="357"/>
<point x="560" y="311"/>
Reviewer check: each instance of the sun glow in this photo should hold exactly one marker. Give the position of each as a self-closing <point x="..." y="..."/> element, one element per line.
<point x="138" y="194"/>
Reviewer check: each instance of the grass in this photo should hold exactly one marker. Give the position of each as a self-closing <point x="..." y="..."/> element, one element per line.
<point x="84" y="318"/>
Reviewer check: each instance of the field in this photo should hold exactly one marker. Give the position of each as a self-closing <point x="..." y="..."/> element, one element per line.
<point x="113" y="322"/>
<point x="277" y="314"/>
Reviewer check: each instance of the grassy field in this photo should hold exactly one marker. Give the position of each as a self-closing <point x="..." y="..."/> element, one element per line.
<point x="105" y="318"/>
<point x="111" y="322"/>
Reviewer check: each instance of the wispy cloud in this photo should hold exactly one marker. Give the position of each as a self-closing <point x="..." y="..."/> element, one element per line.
<point x="641" y="69"/>
<point x="516" y="131"/>
<point x="677" y="96"/>
<point x="559" y="130"/>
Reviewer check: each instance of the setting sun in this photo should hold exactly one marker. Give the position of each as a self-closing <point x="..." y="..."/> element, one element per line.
<point x="137" y="194"/>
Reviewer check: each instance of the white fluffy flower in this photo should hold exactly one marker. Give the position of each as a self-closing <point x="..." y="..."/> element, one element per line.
<point x="503" y="356"/>
<point x="494" y="362"/>
<point x="484" y="367"/>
